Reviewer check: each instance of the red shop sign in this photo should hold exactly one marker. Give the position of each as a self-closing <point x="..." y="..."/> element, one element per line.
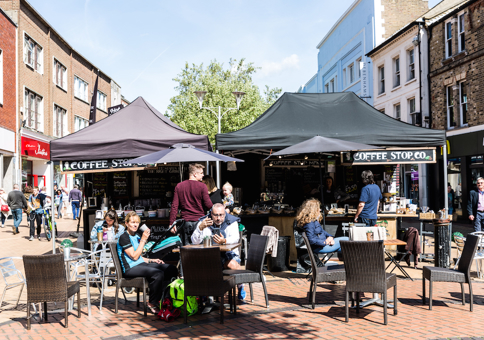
<point x="35" y="148"/>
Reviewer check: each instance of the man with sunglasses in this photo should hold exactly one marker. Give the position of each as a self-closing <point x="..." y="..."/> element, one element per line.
<point x="223" y="228"/>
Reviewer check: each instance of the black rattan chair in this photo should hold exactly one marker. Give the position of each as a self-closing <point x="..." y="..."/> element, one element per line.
<point x="202" y="270"/>
<point x="254" y="266"/>
<point x="461" y="275"/>
<point x="138" y="282"/>
<point x="321" y="274"/>
<point x="47" y="282"/>
<point x="365" y="272"/>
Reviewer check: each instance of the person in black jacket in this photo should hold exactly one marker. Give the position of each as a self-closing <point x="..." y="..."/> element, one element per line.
<point x="17" y="202"/>
<point x="214" y="192"/>
<point x="475" y="206"/>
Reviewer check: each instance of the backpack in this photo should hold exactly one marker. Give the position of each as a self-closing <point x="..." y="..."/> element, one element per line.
<point x="177" y="291"/>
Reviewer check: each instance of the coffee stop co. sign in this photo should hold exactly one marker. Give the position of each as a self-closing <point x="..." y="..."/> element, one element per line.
<point x="407" y="156"/>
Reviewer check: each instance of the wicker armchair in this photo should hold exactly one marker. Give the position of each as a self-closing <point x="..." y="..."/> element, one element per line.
<point x="47" y="282"/>
<point x="202" y="270"/>
<point x="253" y="267"/>
<point x="461" y="275"/>
<point x="365" y="272"/>
<point x="137" y="282"/>
<point x="321" y="274"/>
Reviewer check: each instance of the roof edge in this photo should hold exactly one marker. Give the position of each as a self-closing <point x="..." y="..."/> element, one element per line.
<point x="341" y="18"/>
<point x="390" y="39"/>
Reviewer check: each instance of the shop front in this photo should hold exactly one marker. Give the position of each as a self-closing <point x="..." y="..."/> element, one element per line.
<point x="35" y="157"/>
<point x="8" y="167"/>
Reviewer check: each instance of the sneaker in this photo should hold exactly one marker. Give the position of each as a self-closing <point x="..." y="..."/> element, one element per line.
<point x="242" y="294"/>
<point x="38" y="237"/>
<point x="3" y="225"/>
<point x="31" y="238"/>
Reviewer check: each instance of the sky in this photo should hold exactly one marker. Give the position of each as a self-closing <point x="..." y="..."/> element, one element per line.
<point x="144" y="44"/>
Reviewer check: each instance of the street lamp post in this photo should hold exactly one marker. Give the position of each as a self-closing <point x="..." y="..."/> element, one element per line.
<point x="238" y="98"/>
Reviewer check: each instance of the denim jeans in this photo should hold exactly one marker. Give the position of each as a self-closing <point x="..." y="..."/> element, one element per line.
<point x="75" y="209"/>
<point x="17" y="218"/>
<point x="3" y="218"/>
<point x="368" y="221"/>
<point x="479" y="222"/>
<point x="333" y="248"/>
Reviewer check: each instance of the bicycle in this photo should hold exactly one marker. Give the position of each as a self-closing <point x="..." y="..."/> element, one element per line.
<point x="47" y="222"/>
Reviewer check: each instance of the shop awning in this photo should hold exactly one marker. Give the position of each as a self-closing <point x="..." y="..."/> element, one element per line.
<point x="296" y="117"/>
<point x="136" y="130"/>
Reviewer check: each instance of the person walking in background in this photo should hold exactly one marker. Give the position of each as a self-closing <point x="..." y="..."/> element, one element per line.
<point x="369" y="200"/>
<point x="458" y="194"/>
<point x="16" y="201"/>
<point x="65" y="201"/>
<point x="75" y="197"/>
<point x="58" y="202"/>
<point x="191" y="196"/>
<point x="4" y="208"/>
<point x="475" y="205"/>
<point x="37" y="201"/>
<point x="450" y="200"/>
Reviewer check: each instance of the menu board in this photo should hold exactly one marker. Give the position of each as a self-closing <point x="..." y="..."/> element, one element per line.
<point x="100" y="184"/>
<point x="274" y="174"/>
<point x="311" y="176"/>
<point x="120" y="184"/>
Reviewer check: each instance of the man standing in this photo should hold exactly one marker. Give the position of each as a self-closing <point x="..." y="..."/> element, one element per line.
<point x="16" y="201"/>
<point x="458" y="194"/>
<point x="475" y="206"/>
<point x="191" y="196"/>
<point x="75" y="197"/>
<point x="369" y="200"/>
<point x="223" y="228"/>
<point x="37" y="202"/>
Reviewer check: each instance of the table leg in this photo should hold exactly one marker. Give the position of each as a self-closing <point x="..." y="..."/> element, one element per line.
<point x="375" y="301"/>
<point x="88" y="293"/>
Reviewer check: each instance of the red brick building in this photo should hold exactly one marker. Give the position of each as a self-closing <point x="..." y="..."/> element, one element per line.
<point x="8" y="102"/>
<point x="55" y="84"/>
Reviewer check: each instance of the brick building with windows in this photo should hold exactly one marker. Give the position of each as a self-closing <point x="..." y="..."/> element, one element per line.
<point x="456" y="62"/>
<point x="55" y="84"/>
<point x="8" y="102"/>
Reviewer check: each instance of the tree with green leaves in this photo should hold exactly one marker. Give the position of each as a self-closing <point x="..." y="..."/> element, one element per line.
<point x="219" y="83"/>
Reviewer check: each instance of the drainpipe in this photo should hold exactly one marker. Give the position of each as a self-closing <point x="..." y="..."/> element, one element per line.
<point x="429" y="37"/>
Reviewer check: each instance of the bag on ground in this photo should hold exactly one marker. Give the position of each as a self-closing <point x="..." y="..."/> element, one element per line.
<point x="177" y="291"/>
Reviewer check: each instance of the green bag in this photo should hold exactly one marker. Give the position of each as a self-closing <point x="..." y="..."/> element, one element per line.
<point x="177" y="291"/>
<point x="456" y="234"/>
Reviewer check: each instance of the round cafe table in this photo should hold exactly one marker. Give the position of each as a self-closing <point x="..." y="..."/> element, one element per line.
<point x="77" y="257"/>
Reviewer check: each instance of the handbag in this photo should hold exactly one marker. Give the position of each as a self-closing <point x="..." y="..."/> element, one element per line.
<point x="4" y="208"/>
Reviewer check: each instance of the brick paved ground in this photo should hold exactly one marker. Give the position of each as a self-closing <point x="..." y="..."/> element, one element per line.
<point x="289" y="316"/>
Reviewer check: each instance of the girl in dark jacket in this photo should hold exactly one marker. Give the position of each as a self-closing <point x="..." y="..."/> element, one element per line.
<point x="308" y="218"/>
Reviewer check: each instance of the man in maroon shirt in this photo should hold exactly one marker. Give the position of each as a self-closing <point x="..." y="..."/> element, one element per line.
<point x="191" y="197"/>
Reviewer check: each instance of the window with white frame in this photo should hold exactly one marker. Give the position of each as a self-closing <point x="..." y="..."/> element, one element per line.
<point x="345" y="81"/>
<point x="1" y="77"/>
<point x="411" y="110"/>
<point x="381" y="78"/>
<point x="359" y="66"/>
<point x="382" y="110"/>
<point x="396" y="75"/>
<point x="33" y="54"/>
<point x="411" y="64"/>
<point x="80" y="89"/>
<point x="60" y="74"/>
<point x="60" y="121"/>
<point x="450" y="107"/>
<point x="80" y="123"/>
<point x="331" y="85"/>
<point x="101" y="101"/>
<point x="397" y="112"/>
<point x="448" y="39"/>
<point x="351" y="73"/>
<point x="463" y="103"/>
<point x="326" y="88"/>
<point x="33" y="112"/>
<point x="462" y="34"/>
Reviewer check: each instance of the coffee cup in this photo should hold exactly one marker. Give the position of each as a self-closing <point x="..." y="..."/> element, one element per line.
<point x="100" y="236"/>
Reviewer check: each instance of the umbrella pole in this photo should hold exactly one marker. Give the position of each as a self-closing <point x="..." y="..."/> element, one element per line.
<point x="321" y="191"/>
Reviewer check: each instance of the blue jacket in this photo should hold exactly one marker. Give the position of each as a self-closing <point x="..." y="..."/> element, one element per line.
<point x="229" y="219"/>
<point x="316" y="234"/>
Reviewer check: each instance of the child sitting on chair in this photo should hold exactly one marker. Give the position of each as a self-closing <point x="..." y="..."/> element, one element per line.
<point x="228" y="200"/>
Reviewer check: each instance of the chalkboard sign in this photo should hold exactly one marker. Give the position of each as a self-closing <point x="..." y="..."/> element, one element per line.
<point x="120" y="184"/>
<point x="311" y="177"/>
<point x="274" y="174"/>
<point x="100" y="184"/>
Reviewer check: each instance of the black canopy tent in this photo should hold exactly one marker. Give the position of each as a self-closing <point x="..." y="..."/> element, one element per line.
<point x="134" y="131"/>
<point x="296" y="117"/>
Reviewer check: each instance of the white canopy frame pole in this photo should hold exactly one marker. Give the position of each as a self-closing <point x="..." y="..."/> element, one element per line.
<point x="52" y="205"/>
<point x="446" y="200"/>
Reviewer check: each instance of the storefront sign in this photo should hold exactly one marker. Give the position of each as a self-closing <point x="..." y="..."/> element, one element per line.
<point x="294" y="163"/>
<point x="35" y="148"/>
<point x="365" y="88"/>
<point x="409" y="156"/>
<point x="114" y="109"/>
<point x="103" y="164"/>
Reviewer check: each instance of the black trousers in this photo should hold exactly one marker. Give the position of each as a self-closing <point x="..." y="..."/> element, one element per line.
<point x="35" y="217"/>
<point x="186" y="232"/>
<point x="158" y="276"/>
